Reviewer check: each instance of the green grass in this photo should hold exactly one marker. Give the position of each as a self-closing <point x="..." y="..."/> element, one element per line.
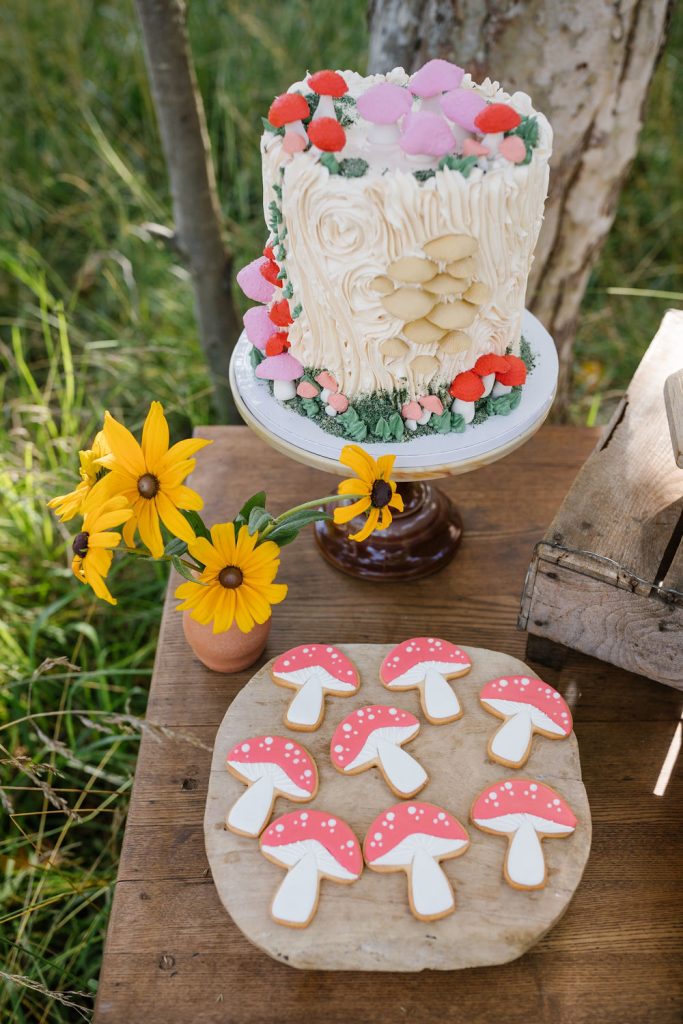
<point x="95" y="314"/>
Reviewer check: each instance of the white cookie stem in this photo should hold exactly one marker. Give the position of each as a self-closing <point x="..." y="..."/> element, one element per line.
<point x="431" y="891"/>
<point x="439" y="699"/>
<point x="525" y="863"/>
<point x="403" y="772"/>
<point x="295" y="900"/>
<point x="511" y="740"/>
<point x="250" y="813"/>
<point x="307" y="704"/>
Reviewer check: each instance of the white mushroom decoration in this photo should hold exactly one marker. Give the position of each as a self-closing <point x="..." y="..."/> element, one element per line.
<point x="314" y="670"/>
<point x="312" y="845"/>
<point x="425" y="663"/>
<point x="525" y="811"/>
<point x="527" y="705"/>
<point x="271" y="766"/>
<point x="374" y="736"/>
<point x="414" y="837"/>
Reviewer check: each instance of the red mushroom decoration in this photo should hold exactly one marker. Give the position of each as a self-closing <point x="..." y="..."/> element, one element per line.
<point x="312" y="845"/>
<point x="329" y="85"/>
<point x="425" y="663"/>
<point x="527" y="706"/>
<point x="494" y="121"/>
<point x="414" y="837"/>
<point x="314" y="670"/>
<point x="374" y="736"/>
<point x="466" y="388"/>
<point x="271" y="766"/>
<point x="327" y="135"/>
<point x="288" y="111"/>
<point x="525" y="811"/>
<point x="511" y="376"/>
<point x="487" y="367"/>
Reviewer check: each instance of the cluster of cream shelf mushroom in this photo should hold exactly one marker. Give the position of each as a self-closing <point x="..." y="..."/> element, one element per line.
<point x="410" y="836"/>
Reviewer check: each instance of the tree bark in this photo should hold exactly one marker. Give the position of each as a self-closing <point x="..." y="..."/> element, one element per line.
<point x="587" y="66"/>
<point x="196" y="211"/>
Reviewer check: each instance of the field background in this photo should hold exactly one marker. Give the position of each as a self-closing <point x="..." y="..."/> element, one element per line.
<point x="95" y="314"/>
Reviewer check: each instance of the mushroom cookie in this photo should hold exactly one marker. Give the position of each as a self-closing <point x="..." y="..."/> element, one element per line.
<point x="312" y="845"/>
<point x="425" y="663"/>
<point x="414" y="837"/>
<point x="313" y="670"/>
<point x="374" y="736"/>
<point x="272" y="766"/>
<point x="525" y="812"/>
<point x="528" y="705"/>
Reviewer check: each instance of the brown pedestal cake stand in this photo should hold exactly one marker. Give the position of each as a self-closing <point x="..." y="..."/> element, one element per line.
<point x="425" y="536"/>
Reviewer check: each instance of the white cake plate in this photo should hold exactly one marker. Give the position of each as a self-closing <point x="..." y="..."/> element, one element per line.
<point x="428" y="457"/>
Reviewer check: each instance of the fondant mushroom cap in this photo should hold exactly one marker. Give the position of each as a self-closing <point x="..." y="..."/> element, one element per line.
<point x="384" y="103"/>
<point x="258" y="326"/>
<point x="328" y="83"/>
<point x="289" y="766"/>
<point x="426" y="134"/>
<point x="498" y="807"/>
<point x="407" y="663"/>
<point x="253" y="283"/>
<point x="549" y="710"/>
<point x="462" y="106"/>
<point x="434" y="77"/>
<point x="291" y="106"/>
<point x="302" y="663"/>
<point x="355" y="738"/>
<point x="497" y="117"/>
<point x="397" y="833"/>
<point x="282" y="367"/>
<point x="335" y="847"/>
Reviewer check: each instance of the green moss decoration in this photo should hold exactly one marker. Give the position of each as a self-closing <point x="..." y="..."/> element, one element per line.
<point x="397" y="426"/>
<point x="269" y="127"/>
<point x="353" y="167"/>
<point x="382" y="430"/>
<point x="526" y="355"/>
<point x="354" y="427"/>
<point x="458" y="424"/>
<point x="311" y="407"/>
<point x="345" y="109"/>
<point x="296" y="311"/>
<point x="287" y="291"/>
<point x="277" y="189"/>
<point x="442" y="424"/>
<point x="464" y="164"/>
<point x="424" y="175"/>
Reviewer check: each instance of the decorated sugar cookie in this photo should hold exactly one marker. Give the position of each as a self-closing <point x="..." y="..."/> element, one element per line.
<point x="374" y="736"/>
<point x="312" y="845"/>
<point x="271" y="766"/>
<point x="527" y="705"/>
<point x="313" y="670"/>
<point x="425" y="663"/>
<point x="525" y="812"/>
<point x="413" y="837"/>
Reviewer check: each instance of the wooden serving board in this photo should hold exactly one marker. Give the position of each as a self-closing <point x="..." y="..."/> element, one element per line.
<point x="368" y="925"/>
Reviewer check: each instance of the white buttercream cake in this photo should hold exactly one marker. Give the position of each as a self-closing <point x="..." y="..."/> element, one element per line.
<point x="403" y="213"/>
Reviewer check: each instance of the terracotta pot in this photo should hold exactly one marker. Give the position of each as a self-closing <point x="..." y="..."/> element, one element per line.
<point x="230" y="651"/>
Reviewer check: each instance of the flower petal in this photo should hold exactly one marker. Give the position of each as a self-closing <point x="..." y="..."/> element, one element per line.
<point x="155" y="437"/>
<point x="243" y="617"/>
<point x="180" y="451"/>
<point x="172" y="519"/>
<point x="256" y="603"/>
<point x="125" y="449"/>
<point x="184" y="497"/>
<point x="370" y="525"/>
<point x="104" y="540"/>
<point x="396" y="502"/>
<point x="148" y="527"/>
<point x="354" y="486"/>
<point x="384" y="518"/>
<point x="204" y="551"/>
<point x="246" y="542"/>
<point x="385" y="464"/>
<point x="360" y="462"/>
<point x="346" y="513"/>
<point x="223" y="537"/>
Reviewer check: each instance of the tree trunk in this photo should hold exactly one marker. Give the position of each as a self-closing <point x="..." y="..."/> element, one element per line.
<point x="587" y="66"/>
<point x="196" y="210"/>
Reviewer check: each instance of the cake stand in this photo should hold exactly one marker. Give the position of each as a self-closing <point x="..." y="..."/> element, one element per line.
<point x="424" y="537"/>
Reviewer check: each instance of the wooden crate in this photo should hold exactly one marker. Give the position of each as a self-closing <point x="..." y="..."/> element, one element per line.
<point x="607" y="579"/>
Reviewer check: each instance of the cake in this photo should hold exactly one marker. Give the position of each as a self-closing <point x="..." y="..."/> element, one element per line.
<point x="402" y="213"/>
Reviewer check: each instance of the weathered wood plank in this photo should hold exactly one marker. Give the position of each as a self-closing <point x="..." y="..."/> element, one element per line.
<point x="673" y="400"/>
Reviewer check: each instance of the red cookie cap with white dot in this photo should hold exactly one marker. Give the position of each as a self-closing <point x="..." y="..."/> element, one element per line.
<point x="279" y="750"/>
<point x="528" y="690"/>
<point x="429" y="651"/>
<point x="331" y="832"/>
<point x="522" y="796"/>
<point x="407" y="819"/>
<point x="352" y="732"/>
<point x="312" y="656"/>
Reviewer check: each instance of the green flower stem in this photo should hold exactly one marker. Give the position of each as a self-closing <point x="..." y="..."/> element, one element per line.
<point x="195" y="567"/>
<point x="316" y="503"/>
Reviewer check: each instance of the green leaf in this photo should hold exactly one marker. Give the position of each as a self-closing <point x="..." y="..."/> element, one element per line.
<point x="256" y="501"/>
<point x="296" y="311"/>
<point x="442" y="423"/>
<point x="311" y="407"/>
<point x="284" y="537"/>
<point x="287" y="291"/>
<point x="270" y="128"/>
<point x="197" y="523"/>
<point x="458" y="424"/>
<point x="186" y="572"/>
<point x="424" y="175"/>
<point x="464" y="164"/>
<point x="175" y="546"/>
<point x="397" y="426"/>
<point x="298" y="520"/>
<point x="330" y="161"/>
<point x="515" y="397"/>
<point x="382" y="430"/>
<point x="256" y="356"/>
<point x="258" y="519"/>
<point x="277" y="189"/>
<point x="353" y="167"/>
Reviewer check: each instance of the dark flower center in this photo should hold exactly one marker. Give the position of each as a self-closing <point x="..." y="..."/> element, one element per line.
<point x="231" y="577"/>
<point x="148" y="485"/>
<point x="381" y="494"/>
<point x="80" y="544"/>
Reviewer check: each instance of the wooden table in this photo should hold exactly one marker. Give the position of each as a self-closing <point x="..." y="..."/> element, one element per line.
<point x="173" y="955"/>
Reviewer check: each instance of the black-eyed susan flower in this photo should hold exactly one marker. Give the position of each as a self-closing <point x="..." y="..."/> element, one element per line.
<point x="237" y="580"/>
<point x="67" y="506"/>
<point x="378" y="495"/>
<point x="150" y="477"/>
<point x="92" y="547"/>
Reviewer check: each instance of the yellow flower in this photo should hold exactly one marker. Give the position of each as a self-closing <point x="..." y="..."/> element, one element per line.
<point x="375" y="485"/>
<point x="238" y="579"/>
<point x="150" y="477"/>
<point x="69" y="505"/>
<point x="92" y="546"/>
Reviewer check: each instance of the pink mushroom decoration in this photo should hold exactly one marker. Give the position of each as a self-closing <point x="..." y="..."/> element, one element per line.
<point x="527" y="705"/>
<point x="374" y="736"/>
<point x="384" y="105"/>
<point x="258" y="326"/>
<point x="462" y="106"/>
<point x="312" y="845"/>
<point x="271" y="766"/>
<point x="307" y="390"/>
<point x="283" y="370"/>
<point x="314" y="670"/>
<point x="434" y="78"/>
<point x="426" y="134"/>
<point x="414" y="837"/>
<point x="513" y="149"/>
<point x="253" y="283"/>
<point x="336" y="403"/>
<point x="328" y="384"/>
<point x="525" y="811"/>
<point x="425" y="663"/>
<point x="471" y="147"/>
